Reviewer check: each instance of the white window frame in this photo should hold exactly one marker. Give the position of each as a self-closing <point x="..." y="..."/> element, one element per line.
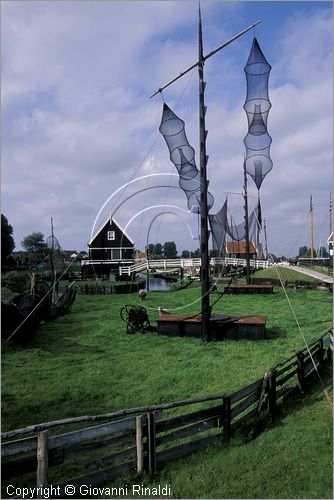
<point x="111" y="235"/>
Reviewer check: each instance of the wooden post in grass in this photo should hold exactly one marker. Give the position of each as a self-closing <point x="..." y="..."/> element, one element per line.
<point x="227" y="418"/>
<point x="301" y="370"/>
<point x="42" y="462"/>
<point x="140" y="443"/>
<point x="272" y="405"/>
<point x="151" y="450"/>
<point x="321" y="352"/>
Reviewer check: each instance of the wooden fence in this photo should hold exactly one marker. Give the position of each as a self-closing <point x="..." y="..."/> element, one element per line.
<point x="150" y="436"/>
<point x="106" y="290"/>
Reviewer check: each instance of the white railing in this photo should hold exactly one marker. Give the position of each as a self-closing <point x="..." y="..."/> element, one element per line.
<point x="171" y="263"/>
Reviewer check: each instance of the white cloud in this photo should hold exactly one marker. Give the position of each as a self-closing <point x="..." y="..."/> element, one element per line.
<point x="78" y="122"/>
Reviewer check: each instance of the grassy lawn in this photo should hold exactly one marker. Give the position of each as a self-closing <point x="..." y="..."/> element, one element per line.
<point x="292" y="459"/>
<point x="84" y="363"/>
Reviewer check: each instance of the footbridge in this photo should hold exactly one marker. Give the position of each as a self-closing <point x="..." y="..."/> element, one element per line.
<point x="190" y="264"/>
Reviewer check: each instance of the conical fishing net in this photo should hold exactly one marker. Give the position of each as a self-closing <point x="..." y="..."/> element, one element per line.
<point x="257" y="160"/>
<point x="257" y="141"/>
<point x="182" y="156"/>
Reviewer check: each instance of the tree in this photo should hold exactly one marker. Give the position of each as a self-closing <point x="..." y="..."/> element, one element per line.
<point x="197" y="253"/>
<point x="303" y="251"/>
<point x="7" y="240"/>
<point x="35" y="245"/>
<point x="185" y="254"/>
<point x="214" y="253"/>
<point x="169" y="250"/>
<point x="323" y="252"/>
<point x="150" y="250"/>
<point x="157" y="251"/>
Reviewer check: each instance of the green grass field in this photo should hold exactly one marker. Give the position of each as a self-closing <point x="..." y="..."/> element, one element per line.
<point x="283" y="273"/>
<point x="84" y="363"/>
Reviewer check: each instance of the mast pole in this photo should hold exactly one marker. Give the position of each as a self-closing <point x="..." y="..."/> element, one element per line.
<point x="265" y="237"/>
<point x="205" y="277"/>
<point x="311" y="223"/>
<point x="246" y="227"/>
<point x="330" y="213"/>
<point x="52" y="264"/>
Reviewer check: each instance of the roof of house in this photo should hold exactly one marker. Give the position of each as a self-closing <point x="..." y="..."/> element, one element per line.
<point x="108" y="220"/>
<point x="140" y="255"/>
<point x="70" y="253"/>
<point x="239" y="247"/>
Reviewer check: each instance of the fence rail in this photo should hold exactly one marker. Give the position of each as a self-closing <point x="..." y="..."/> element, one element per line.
<point x="184" y="263"/>
<point x="150" y="436"/>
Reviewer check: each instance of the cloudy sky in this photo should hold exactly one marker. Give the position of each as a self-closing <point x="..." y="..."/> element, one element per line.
<point x="78" y="124"/>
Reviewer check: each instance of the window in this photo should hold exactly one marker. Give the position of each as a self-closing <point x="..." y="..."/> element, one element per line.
<point x="111" y="235"/>
<point x="116" y="253"/>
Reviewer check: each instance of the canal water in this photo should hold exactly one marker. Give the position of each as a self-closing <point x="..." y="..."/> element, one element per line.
<point x="157" y="284"/>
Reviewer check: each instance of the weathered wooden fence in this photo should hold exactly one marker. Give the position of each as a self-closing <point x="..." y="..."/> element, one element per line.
<point x="105" y="290"/>
<point x="150" y="436"/>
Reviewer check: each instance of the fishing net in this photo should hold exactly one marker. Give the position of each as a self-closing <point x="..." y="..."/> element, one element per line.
<point x="257" y="159"/>
<point x="257" y="106"/>
<point x="182" y="156"/>
<point x="56" y="256"/>
<point x="221" y="227"/>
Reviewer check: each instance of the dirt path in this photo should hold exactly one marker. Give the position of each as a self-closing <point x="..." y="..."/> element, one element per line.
<point x="323" y="277"/>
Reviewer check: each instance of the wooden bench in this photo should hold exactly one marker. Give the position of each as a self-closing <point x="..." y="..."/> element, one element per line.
<point x="249" y="289"/>
<point x="222" y="327"/>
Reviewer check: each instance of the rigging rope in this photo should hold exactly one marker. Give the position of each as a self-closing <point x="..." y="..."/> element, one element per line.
<point x="329" y="401"/>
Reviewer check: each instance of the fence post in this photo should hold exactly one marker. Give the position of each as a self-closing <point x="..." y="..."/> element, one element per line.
<point x="140" y="443"/>
<point x="321" y="352"/>
<point x="301" y="370"/>
<point x="226" y="418"/>
<point x="151" y="450"/>
<point x="42" y="462"/>
<point x="272" y="404"/>
<point x="329" y="352"/>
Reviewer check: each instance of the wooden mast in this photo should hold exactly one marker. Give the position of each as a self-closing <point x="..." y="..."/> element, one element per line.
<point x="204" y="242"/>
<point x="205" y="278"/>
<point x="53" y="271"/>
<point x="330" y="213"/>
<point x="246" y="228"/>
<point x="311" y="227"/>
<point x="265" y="238"/>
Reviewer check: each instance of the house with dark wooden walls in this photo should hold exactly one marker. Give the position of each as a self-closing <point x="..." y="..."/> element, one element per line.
<point x="109" y="248"/>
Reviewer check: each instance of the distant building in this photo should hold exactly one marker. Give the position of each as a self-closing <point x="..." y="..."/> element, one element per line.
<point x="237" y="249"/>
<point x="140" y="255"/>
<point x="69" y="255"/>
<point x="109" y="248"/>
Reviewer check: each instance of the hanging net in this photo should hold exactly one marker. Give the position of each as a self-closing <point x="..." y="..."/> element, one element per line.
<point x="182" y="156"/>
<point x="257" y="106"/>
<point x="257" y="159"/>
<point x="222" y="226"/>
<point x="55" y="252"/>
